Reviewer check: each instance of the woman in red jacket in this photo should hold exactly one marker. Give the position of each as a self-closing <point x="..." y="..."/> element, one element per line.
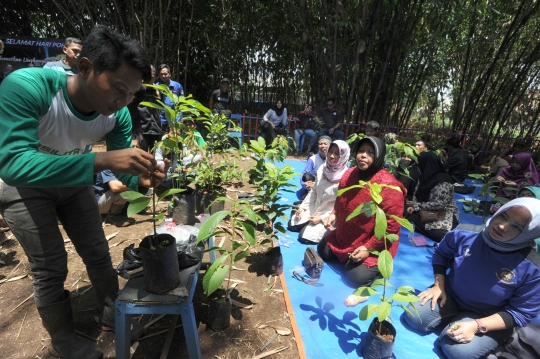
<point x="350" y="242"/>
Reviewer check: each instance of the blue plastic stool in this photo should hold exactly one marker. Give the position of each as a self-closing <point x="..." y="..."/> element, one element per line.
<point x="134" y="299"/>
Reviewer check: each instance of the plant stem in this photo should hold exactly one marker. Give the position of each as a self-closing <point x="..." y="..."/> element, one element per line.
<point x="231" y="256"/>
<point x="154" y="210"/>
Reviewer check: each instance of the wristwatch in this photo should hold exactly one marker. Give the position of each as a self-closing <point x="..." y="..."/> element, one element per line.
<point x="481" y="327"/>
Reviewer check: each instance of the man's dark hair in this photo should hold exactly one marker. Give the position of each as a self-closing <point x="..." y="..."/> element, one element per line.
<point x="72" y="40"/>
<point x="373" y="124"/>
<point x="163" y="66"/>
<point x="453" y="142"/>
<point x="331" y="99"/>
<point x="426" y="139"/>
<point x="108" y="50"/>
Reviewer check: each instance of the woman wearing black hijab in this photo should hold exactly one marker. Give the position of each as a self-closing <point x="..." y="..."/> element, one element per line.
<point x="275" y="120"/>
<point x="349" y="241"/>
<point x="434" y="192"/>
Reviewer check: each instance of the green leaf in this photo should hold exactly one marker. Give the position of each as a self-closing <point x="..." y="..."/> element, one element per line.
<point x="392" y="237"/>
<point x="279" y="227"/>
<point x="375" y="190"/>
<point x="379" y="282"/>
<point x="386" y="264"/>
<point x="380" y="223"/>
<point x="404" y="297"/>
<point x="405" y="308"/>
<point x="249" y="232"/>
<point x="365" y="292"/>
<point x="241" y="256"/>
<point x="217" y="278"/>
<point x="170" y="192"/>
<point x="131" y="195"/>
<point x="158" y="217"/>
<point x="384" y="311"/>
<point x="210" y="224"/>
<point x="403" y="221"/>
<point x="355" y="213"/>
<point x="406" y="289"/>
<point x="137" y="205"/>
<point x="343" y="190"/>
<point x="210" y="271"/>
<point x="368" y="311"/>
<point x="370" y="209"/>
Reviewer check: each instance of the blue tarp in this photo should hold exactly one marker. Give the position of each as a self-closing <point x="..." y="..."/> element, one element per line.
<point x="329" y="329"/>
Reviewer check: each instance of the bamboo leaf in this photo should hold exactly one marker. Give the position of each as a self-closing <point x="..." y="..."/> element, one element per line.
<point x="392" y="237"/>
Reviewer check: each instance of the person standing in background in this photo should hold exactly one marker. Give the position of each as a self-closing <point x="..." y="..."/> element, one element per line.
<point x="70" y="64"/>
<point x="164" y="73"/>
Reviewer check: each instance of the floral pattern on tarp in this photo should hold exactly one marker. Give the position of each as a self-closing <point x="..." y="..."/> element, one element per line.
<point x="440" y="197"/>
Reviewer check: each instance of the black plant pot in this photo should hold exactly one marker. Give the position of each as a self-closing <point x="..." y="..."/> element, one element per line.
<point x="219" y="313"/>
<point x="276" y="261"/>
<point x="184" y="207"/>
<point x="205" y="199"/>
<point x="160" y="263"/>
<point x="374" y="346"/>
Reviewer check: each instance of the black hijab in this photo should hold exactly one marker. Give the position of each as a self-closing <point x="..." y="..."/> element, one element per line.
<point x="278" y="111"/>
<point x="378" y="162"/>
<point x="432" y="173"/>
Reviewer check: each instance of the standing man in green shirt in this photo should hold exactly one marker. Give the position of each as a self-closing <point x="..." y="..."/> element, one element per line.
<point x="48" y="121"/>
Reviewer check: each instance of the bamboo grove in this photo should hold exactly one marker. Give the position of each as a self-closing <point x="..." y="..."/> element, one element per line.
<point x="468" y="65"/>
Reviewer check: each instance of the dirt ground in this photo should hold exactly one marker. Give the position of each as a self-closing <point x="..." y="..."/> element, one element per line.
<point x="23" y="335"/>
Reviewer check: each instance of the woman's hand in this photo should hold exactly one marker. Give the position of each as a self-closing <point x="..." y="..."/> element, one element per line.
<point x="510" y="183"/>
<point x="434" y="293"/>
<point x="410" y="209"/>
<point x="462" y="332"/>
<point x="500" y="178"/>
<point x="299" y="212"/>
<point x="409" y="203"/>
<point x="329" y="222"/>
<point x="309" y="184"/>
<point x="314" y="220"/>
<point x="360" y="254"/>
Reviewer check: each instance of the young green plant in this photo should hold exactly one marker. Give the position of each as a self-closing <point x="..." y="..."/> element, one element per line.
<point x="403" y="294"/>
<point x="240" y="247"/>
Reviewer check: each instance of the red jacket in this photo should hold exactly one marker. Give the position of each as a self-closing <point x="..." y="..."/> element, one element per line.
<point x="360" y="230"/>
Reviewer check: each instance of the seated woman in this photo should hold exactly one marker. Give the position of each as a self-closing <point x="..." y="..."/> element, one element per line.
<point x="492" y="286"/>
<point x="410" y="178"/>
<point x="275" y="120"/>
<point x="531" y="192"/>
<point x="350" y="241"/>
<point x="319" y="202"/>
<point x="312" y="165"/>
<point x="521" y="172"/>
<point x="434" y="192"/>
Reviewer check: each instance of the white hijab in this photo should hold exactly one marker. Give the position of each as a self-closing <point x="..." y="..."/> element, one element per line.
<point x="529" y="233"/>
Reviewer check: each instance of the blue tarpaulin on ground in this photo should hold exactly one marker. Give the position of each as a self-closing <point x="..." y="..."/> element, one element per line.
<point x="329" y="329"/>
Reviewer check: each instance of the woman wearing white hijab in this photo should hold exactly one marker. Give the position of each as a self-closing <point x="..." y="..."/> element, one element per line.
<point x="493" y="285"/>
<point x="319" y="202"/>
